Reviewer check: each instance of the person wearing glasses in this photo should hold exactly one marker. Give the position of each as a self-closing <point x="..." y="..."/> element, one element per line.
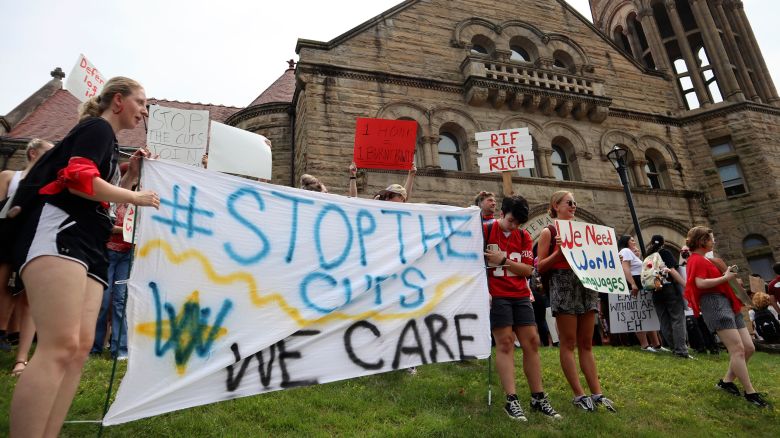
<point x="574" y="307"/>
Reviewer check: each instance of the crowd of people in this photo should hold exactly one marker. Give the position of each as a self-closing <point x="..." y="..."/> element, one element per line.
<point x="64" y="265"/>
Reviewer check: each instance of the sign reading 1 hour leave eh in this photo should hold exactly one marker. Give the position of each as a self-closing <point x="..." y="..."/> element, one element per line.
<point x="503" y="151"/>
<point x="385" y="144"/>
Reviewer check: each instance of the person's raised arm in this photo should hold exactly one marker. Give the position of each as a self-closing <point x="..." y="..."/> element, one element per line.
<point x="410" y="182"/>
<point x="353" y="180"/>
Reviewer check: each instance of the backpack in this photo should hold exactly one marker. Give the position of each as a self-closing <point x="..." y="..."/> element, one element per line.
<point x="767" y="326"/>
<point x="651" y="276"/>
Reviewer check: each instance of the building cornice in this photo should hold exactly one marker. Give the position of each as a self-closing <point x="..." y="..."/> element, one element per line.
<point x="258" y="110"/>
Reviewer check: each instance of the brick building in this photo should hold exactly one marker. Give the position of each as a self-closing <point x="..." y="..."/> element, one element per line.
<point x="681" y="85"/>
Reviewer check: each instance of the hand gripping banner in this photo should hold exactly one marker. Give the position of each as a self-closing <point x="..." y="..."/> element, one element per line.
<point x="240" y="288"/>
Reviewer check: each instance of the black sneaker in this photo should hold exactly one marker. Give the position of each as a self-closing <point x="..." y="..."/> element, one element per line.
<point x="543" y="405"/>
<point x="757" y="399"/>
<point x="729" y="387"/>
<point x="514" y="410"/>
<point x="584" y="402"/>
<point x="684" y="356"/>
<point x="603" y="401"/>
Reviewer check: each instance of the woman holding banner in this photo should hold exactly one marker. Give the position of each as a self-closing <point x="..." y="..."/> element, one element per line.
<point x="61" y="253"/>
<point x="574" y="307"/>
<point x="713" y="296"/>
<point x="632" y="267"/>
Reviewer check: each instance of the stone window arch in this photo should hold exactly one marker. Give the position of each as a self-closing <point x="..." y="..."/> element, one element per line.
<point x="563" y="160"/>
<point x="482" y="45"/>
<point x="620" y="38"/>
<point x="523" y="50"/>
<point x="759" y="255"/>
<point x="564" y="61"/>
<point x="451" y="147"/>
<point x="656" y="170"/>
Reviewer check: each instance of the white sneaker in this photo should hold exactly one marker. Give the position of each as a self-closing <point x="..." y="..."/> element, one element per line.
<point x="650" y="349"/>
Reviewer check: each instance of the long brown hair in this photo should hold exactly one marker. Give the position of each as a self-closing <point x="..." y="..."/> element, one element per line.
<point x="97" y="105"/>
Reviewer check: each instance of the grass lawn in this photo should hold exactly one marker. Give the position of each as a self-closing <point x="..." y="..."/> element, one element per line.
<point x="655" y="394"/>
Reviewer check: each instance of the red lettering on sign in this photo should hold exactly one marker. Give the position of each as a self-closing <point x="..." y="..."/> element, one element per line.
<point x="385" y="144"/>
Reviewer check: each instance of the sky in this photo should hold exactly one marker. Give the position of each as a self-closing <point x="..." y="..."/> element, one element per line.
<point x="222" y="52"/>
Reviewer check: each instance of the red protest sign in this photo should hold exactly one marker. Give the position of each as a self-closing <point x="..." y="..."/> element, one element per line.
<point x="385" y="144"/>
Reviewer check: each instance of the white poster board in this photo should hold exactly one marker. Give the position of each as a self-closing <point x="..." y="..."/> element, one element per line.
<point x="240" y="288"/>
<point x="240" y="152"/>
<point x="592" y="253"/>
<point x="628" y="314"/>
<point x="84" y="80"/>
<point x="177" y="134"/>
<point x="506" y="150"/>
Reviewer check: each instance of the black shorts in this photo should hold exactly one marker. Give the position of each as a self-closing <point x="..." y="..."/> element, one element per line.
<point x="53" y="232"/>
<point x="512" y="312"/>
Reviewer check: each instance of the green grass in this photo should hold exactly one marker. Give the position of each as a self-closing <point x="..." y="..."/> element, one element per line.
<point x="656" y="395"/>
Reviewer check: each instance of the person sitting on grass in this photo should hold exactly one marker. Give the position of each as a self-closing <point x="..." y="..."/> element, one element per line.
<point x="510" y="262"/>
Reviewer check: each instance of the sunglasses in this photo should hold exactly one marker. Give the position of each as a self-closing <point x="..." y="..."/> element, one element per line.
<point x="571" y="203"/>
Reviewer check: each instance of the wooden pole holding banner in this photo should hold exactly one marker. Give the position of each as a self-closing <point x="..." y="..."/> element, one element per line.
<point x="506" y="178"/>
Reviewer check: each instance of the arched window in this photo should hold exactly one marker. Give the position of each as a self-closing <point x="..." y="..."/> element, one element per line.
<point x="686" y="84"/>
<point x="653" y="175"/>
<point x="519" y="54"/>
<point x="560" y="164"/>
<point x="482" y="45"/>
<point x="759" y="256"/>
<point x="449" y="152"/>
<point x="558" y="62"/>
<point x="477" y="49"/>
<point x="709" y="76"/>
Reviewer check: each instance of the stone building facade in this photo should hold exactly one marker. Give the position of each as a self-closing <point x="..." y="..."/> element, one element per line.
<point x="701" y="135"/>
<point x="681" y="85"/>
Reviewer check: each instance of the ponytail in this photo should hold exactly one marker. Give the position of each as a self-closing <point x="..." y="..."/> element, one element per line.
<point x="97" y="105"/>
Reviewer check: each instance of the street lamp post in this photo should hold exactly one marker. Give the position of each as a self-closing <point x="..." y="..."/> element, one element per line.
<point x="618" y="158"/>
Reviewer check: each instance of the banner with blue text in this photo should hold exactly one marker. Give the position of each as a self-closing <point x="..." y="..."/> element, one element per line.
<point x="240" y="288"/>
<point x="592" y="253"/>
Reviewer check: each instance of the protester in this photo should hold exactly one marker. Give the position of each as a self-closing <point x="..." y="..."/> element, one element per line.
<point x="353" y="192"/>
<point x="668" y="301"/>
<point x="767" y="326"/>
<point x="13" y="299"/>
<point x="486" y="201"/>
<point x="397" y="192"/>
<point x="574" y="307"/>
<point x="508" y="251"/>
<point x="309" y="182"/>
<point x="632" y="268"/>
<point x="61" y="251"/>
<point x="773" y="288"/>
<point x="714" y="298"/>
<point x="115" y="295"/>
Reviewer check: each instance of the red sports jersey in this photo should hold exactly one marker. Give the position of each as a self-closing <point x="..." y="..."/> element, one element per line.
<point x="517" y="247"/>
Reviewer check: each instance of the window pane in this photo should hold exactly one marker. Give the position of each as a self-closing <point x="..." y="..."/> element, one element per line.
<point x="529" y="173"/>
<point x="753" y="242"/>
<point x="703" y="57"/>
<point x="708" y="74"/>
<point x="762" y="265"/>
<point x="519" y="54"/>
<point x="650" y="166"/>
<point x="720" y="149"/>
<point x="693" y="101"/>
<point x="558" y="157"/>
<point x="729" y="172"/>
<point x="448" y="144"/>
<point x="680" y="66"/>
<point x="715" y="92"/>
<point x="558" y="63"/>
<point x="686" y="83"/>
<point x="561" y="172"/>
<point x="476" y="49"/>
<point x="449" y="162"/>
<point x="655" y="181"/>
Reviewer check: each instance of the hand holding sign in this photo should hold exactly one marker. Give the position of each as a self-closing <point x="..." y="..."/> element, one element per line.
<point x="385" y="144"/>
<point x="591" y="251"/>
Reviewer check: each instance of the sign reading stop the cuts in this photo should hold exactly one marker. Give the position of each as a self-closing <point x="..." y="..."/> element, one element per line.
<point x="385" y="144"/>
<point x="504" y="151"/>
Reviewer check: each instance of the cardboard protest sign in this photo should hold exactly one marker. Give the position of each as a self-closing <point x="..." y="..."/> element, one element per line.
<point x="240" y="288"/>
<point x="239" y="152"/>
<point x="84" y="80"/>
<point x="385" y="144"/>
<point x="177" y="134"/>
<point x="128" y="224"/>
<point x="629" y="314"/>
<point x="592" y="253"/>
<point x="503" y="151"/>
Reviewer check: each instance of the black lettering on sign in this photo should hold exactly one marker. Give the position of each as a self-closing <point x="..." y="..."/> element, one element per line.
<point x="461" y="337"/>
<point x="435" y="334"/>
<point x="416" y="349"/>
<point x="285" y="355"/>
<point x="351" y="351"/>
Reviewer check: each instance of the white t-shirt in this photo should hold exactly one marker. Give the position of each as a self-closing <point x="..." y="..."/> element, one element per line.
<point x="636" y="263"/>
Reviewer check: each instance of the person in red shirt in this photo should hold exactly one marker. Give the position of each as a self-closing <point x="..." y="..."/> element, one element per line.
<point x="773" y="288"/>
<point x="714" y="298"/>
<point x="510" y="261"/>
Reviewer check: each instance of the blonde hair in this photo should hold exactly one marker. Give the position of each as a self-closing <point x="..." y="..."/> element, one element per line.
<point x="309" y="182"/>
<point x="697" y="237"/>
<point x="556" y="199"/>
<point x="36" y="144"/>
<point x="761" y="301"/>
<point x="97" y="105"/>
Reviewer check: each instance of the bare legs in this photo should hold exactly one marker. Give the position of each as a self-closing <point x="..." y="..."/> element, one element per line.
<point x="64" y="304"/>
<point x="577" y="331"/>
<point x="505" y="360"/>
<point x="740" y="348"/>
<point x="26" y="333"/>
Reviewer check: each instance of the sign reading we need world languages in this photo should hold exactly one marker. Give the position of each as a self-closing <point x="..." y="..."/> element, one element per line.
<point x="84" y="80"/>
<point x="504" y="151"/>
<point x="241" y="288"/>
<point x="385" y="144"/>
<point x="592" y="253"/>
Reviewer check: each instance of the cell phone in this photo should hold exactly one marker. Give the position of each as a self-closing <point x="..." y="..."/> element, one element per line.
<point x="492" y="247"/>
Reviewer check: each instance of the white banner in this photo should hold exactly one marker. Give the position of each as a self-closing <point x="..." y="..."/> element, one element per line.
<point x="504" y="151"/>
<point x="592" y="253"/>
<point x="84" y="80"/>
<point x="233" y="150"/>
<point x="240" y="288"/>
<point x="629" y="314"/>
<point x="177" y="134"/>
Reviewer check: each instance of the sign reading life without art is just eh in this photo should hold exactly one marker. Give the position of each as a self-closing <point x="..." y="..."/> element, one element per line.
<point x="385" y="144"/>
<point x="592" y="253"/>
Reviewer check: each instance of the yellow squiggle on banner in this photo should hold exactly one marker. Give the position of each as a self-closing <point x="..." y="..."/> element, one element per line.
<point x="260" y="300"/>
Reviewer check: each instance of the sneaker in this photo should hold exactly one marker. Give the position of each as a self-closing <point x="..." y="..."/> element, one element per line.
<point x="513" y="409"/>
<point x="650" y="349"/>
<point x="584" y="402"/>
<point x="684" y="356"/>
<point x="729" y="387"/>
<point x="662" y="349"/>
<point x="412" y="371"/>
<point x="603" y="401"/>
<point x="543" y="405"/>
<point x="121" y="357"/>
<point x="757" y="399"/>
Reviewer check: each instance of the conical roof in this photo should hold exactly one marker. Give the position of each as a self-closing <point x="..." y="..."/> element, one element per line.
<point x="281" y="90"/>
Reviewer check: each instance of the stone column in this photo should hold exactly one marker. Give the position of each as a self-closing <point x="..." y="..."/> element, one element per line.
<point x="690" y="59"/>
<point x="759" y="65"/>
<point x="545" y="163"/>
<point x="640" y="177"/>
<point x="653" y="36"/>
<point x="733" y="53"/>
<point x="724" y="74"/>
<point x="431" y="148"/>
<point x="633" y="41"/>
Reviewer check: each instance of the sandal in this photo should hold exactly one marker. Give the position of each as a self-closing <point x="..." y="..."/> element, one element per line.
<point x="18" y="372"/>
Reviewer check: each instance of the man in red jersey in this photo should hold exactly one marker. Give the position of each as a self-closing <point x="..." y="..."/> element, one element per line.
<point x="510" y="262"/>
